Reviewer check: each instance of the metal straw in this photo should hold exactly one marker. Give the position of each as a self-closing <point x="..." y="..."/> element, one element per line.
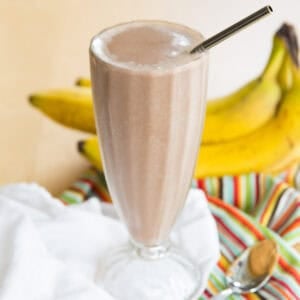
<point x="219" y="37"/>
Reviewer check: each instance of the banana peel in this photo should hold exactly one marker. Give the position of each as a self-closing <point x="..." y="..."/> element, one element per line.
<point x="90" y="150"/>
<point x="70" y="107"/>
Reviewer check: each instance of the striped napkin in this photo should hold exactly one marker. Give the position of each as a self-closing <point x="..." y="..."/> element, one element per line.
<point x="247" y="209"/>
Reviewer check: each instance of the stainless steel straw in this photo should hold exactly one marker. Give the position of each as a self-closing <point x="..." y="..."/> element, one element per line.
<point x="224" y="34"/>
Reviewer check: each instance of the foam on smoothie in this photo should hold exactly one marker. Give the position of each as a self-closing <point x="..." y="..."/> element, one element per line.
<point x="147" y="45"/>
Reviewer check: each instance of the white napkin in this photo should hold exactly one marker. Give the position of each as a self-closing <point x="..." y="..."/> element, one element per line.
<point x="49" y="251"/>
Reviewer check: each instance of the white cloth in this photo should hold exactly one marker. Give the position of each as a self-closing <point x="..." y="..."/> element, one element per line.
<point x="49" y="251"/>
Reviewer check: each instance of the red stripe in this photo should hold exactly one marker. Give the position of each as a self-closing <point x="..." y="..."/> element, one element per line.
<point x="200" y="184"/>
<point x="230" y="233"/>
<point x="236" y="191"/>
<point x="95" y="189"/>
<point x="237" y="215"/>
<point x="284" y="265"/>
<point x="222" y="230"/>
<point x="207" y="293"/>
<point x="283" y="284"/>
<point x="257" y="189"/>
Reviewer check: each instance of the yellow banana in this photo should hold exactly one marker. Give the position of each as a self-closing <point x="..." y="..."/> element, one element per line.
<point x="71" y="107"/>
<point x="285" y="76"/>
<point x="83" y="81"/>
<point x="269" y="149"/>
<point x="90" y="150"/>
<point x="252" y="111"/>
<point x="220" y="103"/>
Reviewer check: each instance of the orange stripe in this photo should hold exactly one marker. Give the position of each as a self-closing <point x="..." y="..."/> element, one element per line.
<point x="234" y="212"/>
<point x="291" y="227"/>
<point x="104" y="195"/>
<point x="281" y="290"/>
<point x="283" y="218"/>
<point x="223" y="263"/>
<point x="291" y="176"/>
<point x="271" y="204"/>
<point x="212" y="288"/>
<point x="289" y="269"/>
<point x="251" y="296"/>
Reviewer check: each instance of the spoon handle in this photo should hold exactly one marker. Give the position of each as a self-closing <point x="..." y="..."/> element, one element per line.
<point x="223" y="295"/>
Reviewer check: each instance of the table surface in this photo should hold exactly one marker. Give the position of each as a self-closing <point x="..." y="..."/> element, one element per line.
<point x="44" y="45"/>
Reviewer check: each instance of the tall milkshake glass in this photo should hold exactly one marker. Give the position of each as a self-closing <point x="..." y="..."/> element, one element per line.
<point x="149" y="96"/>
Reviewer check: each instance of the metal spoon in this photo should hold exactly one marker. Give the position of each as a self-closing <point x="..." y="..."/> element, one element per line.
<point x="240" y="280"/>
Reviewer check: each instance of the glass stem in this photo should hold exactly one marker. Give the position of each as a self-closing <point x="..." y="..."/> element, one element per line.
<point x="151" y="252"/>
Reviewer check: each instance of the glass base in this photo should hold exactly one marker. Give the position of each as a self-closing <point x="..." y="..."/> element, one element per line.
<point x="150" y="273"/>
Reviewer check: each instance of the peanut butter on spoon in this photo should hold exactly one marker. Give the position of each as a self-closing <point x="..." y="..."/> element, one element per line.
<point x="251" y="270"/>
<point x="262" y="258"/>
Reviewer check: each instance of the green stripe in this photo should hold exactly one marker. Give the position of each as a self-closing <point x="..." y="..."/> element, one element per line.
<point x="293" y="237"/>
<point x="218" y="282"/>
<point x="249" y="201"/>
<point x="71" y="198"/>
<point x="228" y="189"/>
<point x="235" y="226"/>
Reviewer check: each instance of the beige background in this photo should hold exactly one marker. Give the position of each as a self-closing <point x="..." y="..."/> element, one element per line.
<point x="44" y="45"/>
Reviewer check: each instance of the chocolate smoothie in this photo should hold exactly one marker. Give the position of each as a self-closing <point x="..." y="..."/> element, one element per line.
<point x="149" y="107"/>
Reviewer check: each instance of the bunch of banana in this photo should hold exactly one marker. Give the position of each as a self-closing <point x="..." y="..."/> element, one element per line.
<point x="253" y="129"/>
<point x="269" y="149"/>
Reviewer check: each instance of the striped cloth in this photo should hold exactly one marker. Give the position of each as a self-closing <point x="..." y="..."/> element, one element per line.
<point x="253" y="207"/>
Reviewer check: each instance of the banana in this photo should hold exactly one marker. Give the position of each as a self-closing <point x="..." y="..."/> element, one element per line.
<point x="71" y="107"/>
<point x="285" y="76"/>
<point x="90" y="150"/>
<point x="254" y="109"/>
<point x="270" y="149"/>
<point x="217" y="104"/>
<point x="83" y="81"/>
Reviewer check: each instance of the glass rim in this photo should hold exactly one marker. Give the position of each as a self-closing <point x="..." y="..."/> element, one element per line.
<point x="105" y="58"/>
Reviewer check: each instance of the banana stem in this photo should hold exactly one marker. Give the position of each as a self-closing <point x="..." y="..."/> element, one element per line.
<point x="288" y="34"/>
